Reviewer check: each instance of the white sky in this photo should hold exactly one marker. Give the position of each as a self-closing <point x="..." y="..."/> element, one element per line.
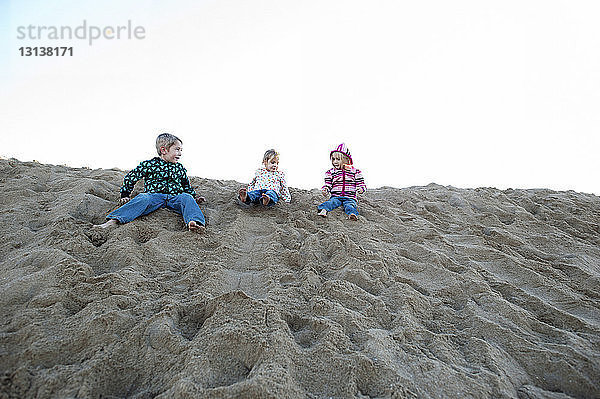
<point x="464" y="93"/>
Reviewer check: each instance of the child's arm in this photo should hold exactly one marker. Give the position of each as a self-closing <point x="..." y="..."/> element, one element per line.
<point x="131" y="178"/>
<point x="361" y="187"/>
<point x="185" y="183"/>
<point x="251" y="186"/>
<point x="285" y="191"/>
<point x="187" y="187"/>
<point x="326" y="189"/>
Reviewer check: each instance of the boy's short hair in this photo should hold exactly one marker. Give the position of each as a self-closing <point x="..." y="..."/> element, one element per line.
<point x="270" y="154"/>
<point x="166" y="140"/>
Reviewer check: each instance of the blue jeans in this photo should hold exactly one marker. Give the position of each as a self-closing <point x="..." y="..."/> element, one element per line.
<point x="145" y="203"/>
<point x="349" y="205"/>
<point x="255" y="196"/>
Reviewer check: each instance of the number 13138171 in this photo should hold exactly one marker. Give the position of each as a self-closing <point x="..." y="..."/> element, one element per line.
<point x="46" y="51"/>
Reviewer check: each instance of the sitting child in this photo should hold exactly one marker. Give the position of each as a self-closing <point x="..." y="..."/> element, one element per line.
<point x="342" y="183"/>
<point x="268" y="185"/>
<point x="165" y="185"/>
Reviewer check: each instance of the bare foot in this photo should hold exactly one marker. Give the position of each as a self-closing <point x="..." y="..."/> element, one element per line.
<point x="107" y="224"/>
<point x="322" y="213"/>
<point x="243" y="194"/>
<point x="265" y="199"/>
<point x="353" y="217"/>
<point x="196" y="227"/>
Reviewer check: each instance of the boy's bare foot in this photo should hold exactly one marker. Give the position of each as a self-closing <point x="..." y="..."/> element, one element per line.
<point x="353" y="217"/>
<point x="322" y="213"/>
<point x="243" y="194"/>
<point x="265" y="199"/>
<point x="196" y="227"/>
<point x="107" y="224"/>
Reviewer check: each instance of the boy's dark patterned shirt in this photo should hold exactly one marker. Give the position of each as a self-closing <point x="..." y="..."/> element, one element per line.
<point x="159" y="176"/>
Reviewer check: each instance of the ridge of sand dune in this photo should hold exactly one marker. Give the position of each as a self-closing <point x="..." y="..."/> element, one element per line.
<point x="436" y="292"/>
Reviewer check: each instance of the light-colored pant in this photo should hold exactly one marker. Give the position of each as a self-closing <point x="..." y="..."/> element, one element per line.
<point x="145" y="203"/>
<point x="350" y="205"/>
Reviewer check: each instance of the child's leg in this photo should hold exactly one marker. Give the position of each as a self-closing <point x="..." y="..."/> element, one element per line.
<point x="187" y="206"/>
<point x="243" y="195"/>
<point x="270" y="198"/>
<point x="350" y="207"/>
<point x="254" y="196"/>
<point x="196" y="227"/>
<point x="329" y="205"/>
<point x="141" y="204"/>
<point x="107" y="224"/>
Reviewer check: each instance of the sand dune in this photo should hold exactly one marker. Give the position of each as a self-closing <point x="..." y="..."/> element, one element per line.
<point x="436" y="292"/>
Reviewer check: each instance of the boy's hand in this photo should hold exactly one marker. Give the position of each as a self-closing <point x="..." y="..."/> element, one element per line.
<point x="325" y="191"/>
<point x="124" y="200"/>
<point x="200" y="200"/>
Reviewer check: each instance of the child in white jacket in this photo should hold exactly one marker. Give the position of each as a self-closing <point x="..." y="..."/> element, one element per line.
<point x="268" y="185"/>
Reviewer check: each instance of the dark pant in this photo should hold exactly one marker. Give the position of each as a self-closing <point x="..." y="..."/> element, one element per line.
<point x="255" y="196"/>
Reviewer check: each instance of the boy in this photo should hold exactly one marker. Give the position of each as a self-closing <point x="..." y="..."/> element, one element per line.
<point x="165" y="184"/>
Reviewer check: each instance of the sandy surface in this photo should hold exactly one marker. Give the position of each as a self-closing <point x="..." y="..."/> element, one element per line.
<point x="436" y="292"/>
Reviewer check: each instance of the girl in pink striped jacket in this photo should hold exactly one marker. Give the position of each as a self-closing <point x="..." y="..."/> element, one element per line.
<point x="342" y="184"/>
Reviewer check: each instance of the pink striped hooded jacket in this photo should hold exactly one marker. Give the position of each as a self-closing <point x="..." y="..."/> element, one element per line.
<point x="345" y="182"/>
